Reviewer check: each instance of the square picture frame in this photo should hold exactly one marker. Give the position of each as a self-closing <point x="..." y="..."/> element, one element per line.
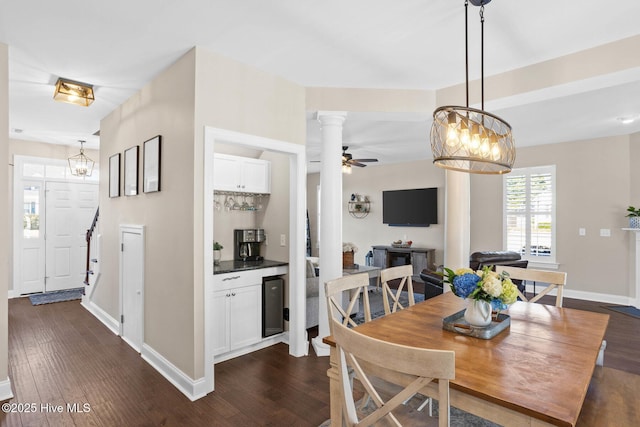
<point x="131" y="171"/>
<point x="152" y="165"/>
<point x="114" y="175"/>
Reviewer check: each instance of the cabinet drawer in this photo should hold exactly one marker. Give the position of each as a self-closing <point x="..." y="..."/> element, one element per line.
<point x="245" y="278"/>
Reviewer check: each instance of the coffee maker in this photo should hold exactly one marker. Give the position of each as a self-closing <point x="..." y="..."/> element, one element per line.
<point x="247" y="243"/>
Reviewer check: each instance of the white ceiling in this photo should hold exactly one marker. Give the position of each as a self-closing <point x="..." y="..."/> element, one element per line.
<point x="119" y="46"/>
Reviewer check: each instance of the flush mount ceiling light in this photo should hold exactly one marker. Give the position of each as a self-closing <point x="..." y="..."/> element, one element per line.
<point x="73" y="92"/>
<point x="80" y="164"/>
<point x="467" y="139"/>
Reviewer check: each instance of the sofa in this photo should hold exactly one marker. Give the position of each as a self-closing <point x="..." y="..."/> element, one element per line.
<point x="477" y="261"/>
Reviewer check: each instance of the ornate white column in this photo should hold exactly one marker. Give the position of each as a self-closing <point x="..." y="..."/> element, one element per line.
<point x="634" y="250"/>
<point x="457" y="230"/>
<point x="330" y="215"/>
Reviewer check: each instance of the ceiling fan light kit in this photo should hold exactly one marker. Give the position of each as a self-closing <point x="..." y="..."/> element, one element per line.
<point x="73" y="92"/>
<point x="468" y="139"/>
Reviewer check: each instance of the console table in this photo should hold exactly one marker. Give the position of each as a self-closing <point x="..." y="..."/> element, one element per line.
<point x="419" y="258"/>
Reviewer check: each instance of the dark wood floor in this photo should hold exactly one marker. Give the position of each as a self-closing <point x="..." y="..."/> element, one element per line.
<point x="59" y="354"/>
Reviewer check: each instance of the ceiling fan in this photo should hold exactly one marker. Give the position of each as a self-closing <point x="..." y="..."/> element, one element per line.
<point x="347" y="159"/>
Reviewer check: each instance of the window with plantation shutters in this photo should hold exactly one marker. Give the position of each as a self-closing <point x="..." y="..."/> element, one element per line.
<point x="529" y="213"/>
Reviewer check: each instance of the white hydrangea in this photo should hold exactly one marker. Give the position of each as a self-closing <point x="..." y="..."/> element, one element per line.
<point x="492" y="285"/>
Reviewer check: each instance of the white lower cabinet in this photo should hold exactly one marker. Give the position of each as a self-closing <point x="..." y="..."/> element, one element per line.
<point x="238" y="316"/>
<point x="235" y="302"/>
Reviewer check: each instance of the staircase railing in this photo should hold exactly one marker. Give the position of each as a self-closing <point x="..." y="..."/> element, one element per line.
<point x="89" y="235"/>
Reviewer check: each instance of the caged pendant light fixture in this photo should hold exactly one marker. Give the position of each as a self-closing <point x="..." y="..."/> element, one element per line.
<point x="467" y="139"/>
<point x="80" y="164"/>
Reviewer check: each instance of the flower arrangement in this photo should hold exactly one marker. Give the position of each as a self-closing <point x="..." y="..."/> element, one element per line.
<point x="217" y="246"/>
<point x="486" y="285"/>
<point x="349" y="247"/>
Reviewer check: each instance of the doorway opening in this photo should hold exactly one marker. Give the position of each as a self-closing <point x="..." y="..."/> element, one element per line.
<point x="52" y="210"/>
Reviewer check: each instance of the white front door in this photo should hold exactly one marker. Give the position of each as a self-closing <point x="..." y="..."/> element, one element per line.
<point x="70" y="208"/>
<point x="132" y="285"/>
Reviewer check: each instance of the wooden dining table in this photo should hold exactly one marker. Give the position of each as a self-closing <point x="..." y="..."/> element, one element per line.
<point x="534" y="373"/>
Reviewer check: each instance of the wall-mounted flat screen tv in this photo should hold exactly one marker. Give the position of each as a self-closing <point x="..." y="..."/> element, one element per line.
<point x="410" y="208"/>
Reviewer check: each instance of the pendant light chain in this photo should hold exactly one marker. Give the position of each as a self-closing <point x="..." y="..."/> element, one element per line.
<point x="466" y="47"/>
<point x="482" y="54"/>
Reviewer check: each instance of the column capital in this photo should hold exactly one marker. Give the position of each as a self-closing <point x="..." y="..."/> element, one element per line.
<point x="331" y="117"/>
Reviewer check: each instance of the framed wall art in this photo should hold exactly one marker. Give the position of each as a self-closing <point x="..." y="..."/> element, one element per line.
<point x="131" y="171"/>
<point x="151" y="167"/>
<point x="114" y="175"/>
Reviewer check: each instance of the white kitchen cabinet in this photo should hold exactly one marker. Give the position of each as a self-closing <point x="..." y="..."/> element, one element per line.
<point x="241" y="174"/>
<point x="237" y="316"/>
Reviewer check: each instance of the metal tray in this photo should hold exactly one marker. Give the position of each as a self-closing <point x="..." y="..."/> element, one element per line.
<point x="456" y="323"/>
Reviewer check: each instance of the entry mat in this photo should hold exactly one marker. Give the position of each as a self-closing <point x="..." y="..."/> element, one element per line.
<point x="56" y="296"/>
<point x="625" y="309"/>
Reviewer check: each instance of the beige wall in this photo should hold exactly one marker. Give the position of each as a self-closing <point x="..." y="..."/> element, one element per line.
<point x="591" y="63"/>
<point x="371" y="100"/>
<point x="200" y="89"/>
<point x="5" y="209"/>
<point x="594" y="187"/>
<point x="371" y="181"/>
<point x="593" y="190"/>
<point x="163" y="107"/>
<point x="233" y="96"/>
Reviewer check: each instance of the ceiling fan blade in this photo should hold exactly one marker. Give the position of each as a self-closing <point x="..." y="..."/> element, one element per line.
<point x="355" y="163"/>
<point x="365" y="160"/>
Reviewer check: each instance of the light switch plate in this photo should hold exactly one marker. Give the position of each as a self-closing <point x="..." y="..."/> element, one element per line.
<point x="605" y="232"/>
<point x="283" y="240"/>
<point x="582" y="231"/>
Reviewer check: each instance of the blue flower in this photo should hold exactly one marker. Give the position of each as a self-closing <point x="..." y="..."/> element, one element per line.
<point x="498" y="305"/>
<point x="465" y="284"/>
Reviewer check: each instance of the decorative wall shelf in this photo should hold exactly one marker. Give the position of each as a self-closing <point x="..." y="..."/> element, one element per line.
<point x="358" y="209"/>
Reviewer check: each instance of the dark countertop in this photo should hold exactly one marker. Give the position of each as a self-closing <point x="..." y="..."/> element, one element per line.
<point x="233" y="266"/>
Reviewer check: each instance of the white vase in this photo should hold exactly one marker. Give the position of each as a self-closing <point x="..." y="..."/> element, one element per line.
<point x="216" y="257"/>
<point x="478" y="313"/>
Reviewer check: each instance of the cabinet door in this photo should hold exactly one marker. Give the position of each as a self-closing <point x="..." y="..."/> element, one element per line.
<point x="419" y="262"/>
<point x="256" y="176"/>
<point x="226" y="173"/>
<point x="220" y="307"/>
<point x="380" y="258"/>
<point x="245" y="316"/>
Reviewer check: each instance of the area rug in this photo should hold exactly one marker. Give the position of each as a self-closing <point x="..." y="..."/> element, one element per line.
<point x="377" y="306"/>
<point x="625" y="309"/>
<point x="56" y="296"/>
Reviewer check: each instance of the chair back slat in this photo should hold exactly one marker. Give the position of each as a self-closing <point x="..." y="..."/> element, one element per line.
<point x="413" y="367"/>
<point x="356" y="285"/>
<point x="404" y="273"/>
<point x="555" y="280"/>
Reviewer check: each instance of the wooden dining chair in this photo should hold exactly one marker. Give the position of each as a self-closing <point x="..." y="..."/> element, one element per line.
<point x="409" y="367"/>
<point x="336" y="289"/>
<point x="555" y="279"/>
<point x="403" y="273"/>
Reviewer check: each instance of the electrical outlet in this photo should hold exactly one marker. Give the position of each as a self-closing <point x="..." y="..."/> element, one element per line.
<point x="605" y="232"/>
<point x="582" y="231"/>
<point x="283" y="240"/>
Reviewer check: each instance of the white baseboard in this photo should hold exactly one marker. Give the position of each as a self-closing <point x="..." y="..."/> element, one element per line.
<point x="266" y="342"/>
<point x="101" y="315"/>
<point x="5" y="390"/>
<point x="193" y="389"/>
<point x="597" y="297"/>
<point x="13" y="293"/>
<point x="587" y="296"/>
